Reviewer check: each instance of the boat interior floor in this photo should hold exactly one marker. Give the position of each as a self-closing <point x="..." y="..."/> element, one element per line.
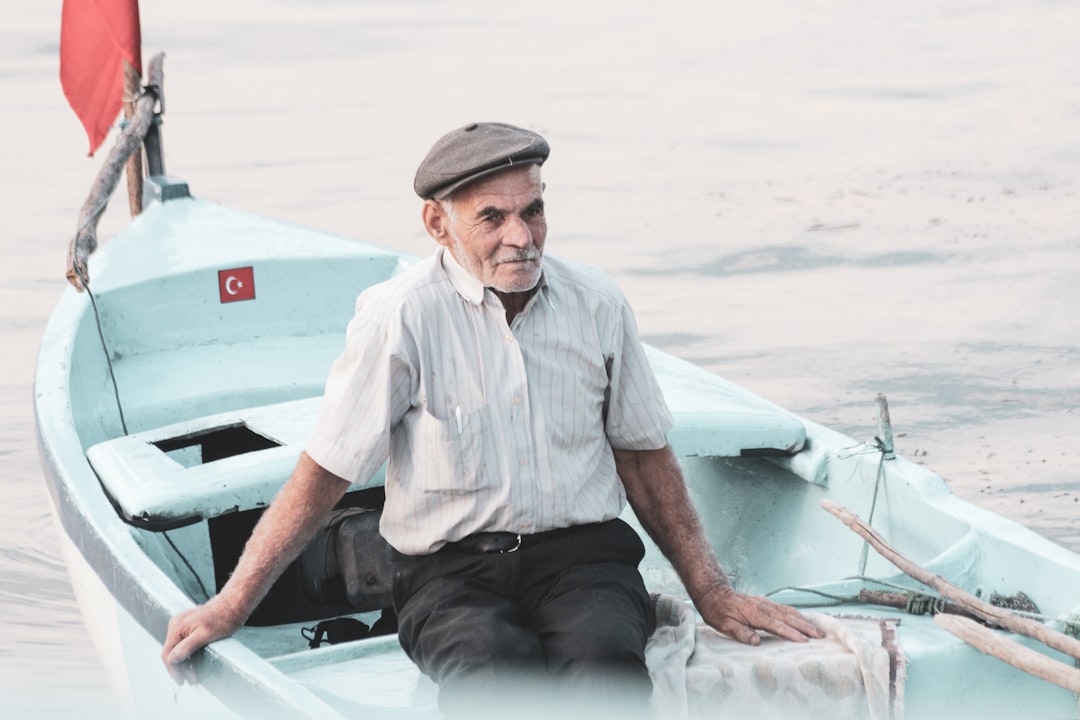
<point x="375" y="671"/>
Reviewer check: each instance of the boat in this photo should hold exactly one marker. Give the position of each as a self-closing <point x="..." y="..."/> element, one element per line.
<point x="176" y="385"/>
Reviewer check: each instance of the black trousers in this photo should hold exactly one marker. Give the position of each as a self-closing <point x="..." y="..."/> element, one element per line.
<point x="499" y="630"/>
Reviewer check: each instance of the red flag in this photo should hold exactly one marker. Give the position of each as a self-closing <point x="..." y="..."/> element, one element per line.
<point x="96" y="36"/>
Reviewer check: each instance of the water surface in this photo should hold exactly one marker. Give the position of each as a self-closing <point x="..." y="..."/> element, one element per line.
<point x="819" y="201"/>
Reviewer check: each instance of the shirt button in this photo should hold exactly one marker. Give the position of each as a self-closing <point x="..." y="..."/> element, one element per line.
<point x="523" y="461"/>
<point x="509" y="338"/>
<point x="517" y="399"/>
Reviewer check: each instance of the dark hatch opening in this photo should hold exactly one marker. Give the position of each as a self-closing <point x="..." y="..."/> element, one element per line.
<point x="206" y="446"/>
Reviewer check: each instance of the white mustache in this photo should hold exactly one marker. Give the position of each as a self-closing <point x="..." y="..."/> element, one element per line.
<point x="518" y="256"/>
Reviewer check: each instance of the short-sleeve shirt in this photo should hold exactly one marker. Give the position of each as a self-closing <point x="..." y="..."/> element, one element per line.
<point x="489" y="426"/>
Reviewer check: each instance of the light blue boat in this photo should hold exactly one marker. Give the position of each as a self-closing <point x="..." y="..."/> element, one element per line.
<point x="173" y="402"/>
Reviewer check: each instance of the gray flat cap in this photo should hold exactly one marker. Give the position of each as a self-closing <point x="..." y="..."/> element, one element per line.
<point x="475" y="151"/>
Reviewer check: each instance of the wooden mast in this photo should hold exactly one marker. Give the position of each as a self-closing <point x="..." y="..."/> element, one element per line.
<point x="134" y="168"/>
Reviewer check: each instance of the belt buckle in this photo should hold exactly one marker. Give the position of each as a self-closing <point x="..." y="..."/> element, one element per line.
<point x="517" y="545"/>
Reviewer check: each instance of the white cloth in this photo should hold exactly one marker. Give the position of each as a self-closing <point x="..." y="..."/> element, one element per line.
<point x="854" y="672"/>
<point x="489" y="426"/>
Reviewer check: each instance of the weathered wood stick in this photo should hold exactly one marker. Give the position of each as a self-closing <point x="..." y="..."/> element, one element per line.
<point x="85" y="241"/>
<point x="900" y="601"/>
<point x="885" y="428"/>
<point x="134" y="171"/>
<point x="982" y="610"/>
<point x="997" y="645"/>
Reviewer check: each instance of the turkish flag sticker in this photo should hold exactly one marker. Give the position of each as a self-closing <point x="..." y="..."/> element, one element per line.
<point x="236" y="284"/>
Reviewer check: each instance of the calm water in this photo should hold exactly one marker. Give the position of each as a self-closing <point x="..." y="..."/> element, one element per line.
<point x="820" y="201"/>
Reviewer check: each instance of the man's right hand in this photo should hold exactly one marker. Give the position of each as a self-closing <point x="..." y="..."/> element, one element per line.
<point x="194" y="629"/>
<point x="287" y="525"/>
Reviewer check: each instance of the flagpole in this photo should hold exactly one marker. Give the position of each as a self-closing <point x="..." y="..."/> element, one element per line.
<point x="130" y="142"/>
<point x="134" y="168"/>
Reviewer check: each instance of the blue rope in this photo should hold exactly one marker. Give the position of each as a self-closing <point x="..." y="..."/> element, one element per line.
<point x="864" y="555"/>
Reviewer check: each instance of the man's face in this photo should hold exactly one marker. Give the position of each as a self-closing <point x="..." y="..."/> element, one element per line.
<point x="497" y="229"/>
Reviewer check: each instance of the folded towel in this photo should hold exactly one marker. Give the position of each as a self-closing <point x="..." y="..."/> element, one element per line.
<point x="856" y="671"/>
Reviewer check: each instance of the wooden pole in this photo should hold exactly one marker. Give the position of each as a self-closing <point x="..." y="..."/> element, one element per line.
<point x="983" y="610"/>
<point x="85" y="241"/>
<point x="885" y="428"/>
<point x="134" y="170"/>
<point x="900" y="601"/>
<point x="1019" y="656"/>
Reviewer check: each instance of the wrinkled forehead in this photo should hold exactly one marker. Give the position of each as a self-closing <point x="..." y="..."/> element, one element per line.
<point x="508" y="189"/>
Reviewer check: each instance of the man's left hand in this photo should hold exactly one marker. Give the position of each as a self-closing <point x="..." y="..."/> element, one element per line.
<point x="739" y="616"/>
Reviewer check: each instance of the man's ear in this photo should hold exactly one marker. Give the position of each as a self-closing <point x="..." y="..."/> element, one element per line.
<point x="436" y="222"/>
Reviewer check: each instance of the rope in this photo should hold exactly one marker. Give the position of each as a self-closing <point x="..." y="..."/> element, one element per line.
<point x="91" y="219"/>
<point x="864" y="555"/>
<point x="130" y="141"/>
<point x="156" y="120"/>
<point x="187" y="564"/>
<point x="918" y="604"/>
<point x="837" y="600"/>
<point x="866" y="448"/>
<point x="104" y="345"/>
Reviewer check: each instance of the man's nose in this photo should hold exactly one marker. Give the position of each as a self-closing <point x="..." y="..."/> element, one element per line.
<point x="516" y="232"/>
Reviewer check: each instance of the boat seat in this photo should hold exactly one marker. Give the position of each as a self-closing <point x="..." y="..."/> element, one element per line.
<point x="205" y="467"/>
<point x="238" y="460"/>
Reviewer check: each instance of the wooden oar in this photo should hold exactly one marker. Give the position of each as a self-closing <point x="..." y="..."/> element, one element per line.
<point x="991" y="614"/>
<point x="994" y="643"/>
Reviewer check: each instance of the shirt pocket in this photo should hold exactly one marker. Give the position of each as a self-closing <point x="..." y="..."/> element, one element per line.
<point x="450" y="453"/>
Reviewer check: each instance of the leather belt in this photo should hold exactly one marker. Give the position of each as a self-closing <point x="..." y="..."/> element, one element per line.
<point x="486" y="543"/>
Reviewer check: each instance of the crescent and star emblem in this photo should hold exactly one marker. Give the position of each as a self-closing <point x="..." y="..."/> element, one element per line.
<point x="235" y="284"/>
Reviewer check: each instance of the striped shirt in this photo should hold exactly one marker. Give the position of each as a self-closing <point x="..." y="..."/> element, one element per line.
<point x="489" y="426"/>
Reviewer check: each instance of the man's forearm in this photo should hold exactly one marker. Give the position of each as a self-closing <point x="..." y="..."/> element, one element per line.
<point x="657" y="492"/>
<point x="285" y="528"/>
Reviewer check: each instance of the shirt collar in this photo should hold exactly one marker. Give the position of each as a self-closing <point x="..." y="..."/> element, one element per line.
<point x="463" y="281"/>
<point x="468" y="286"/>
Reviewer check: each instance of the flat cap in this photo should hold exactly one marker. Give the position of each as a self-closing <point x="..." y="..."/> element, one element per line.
<point x="475" y="151"/>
